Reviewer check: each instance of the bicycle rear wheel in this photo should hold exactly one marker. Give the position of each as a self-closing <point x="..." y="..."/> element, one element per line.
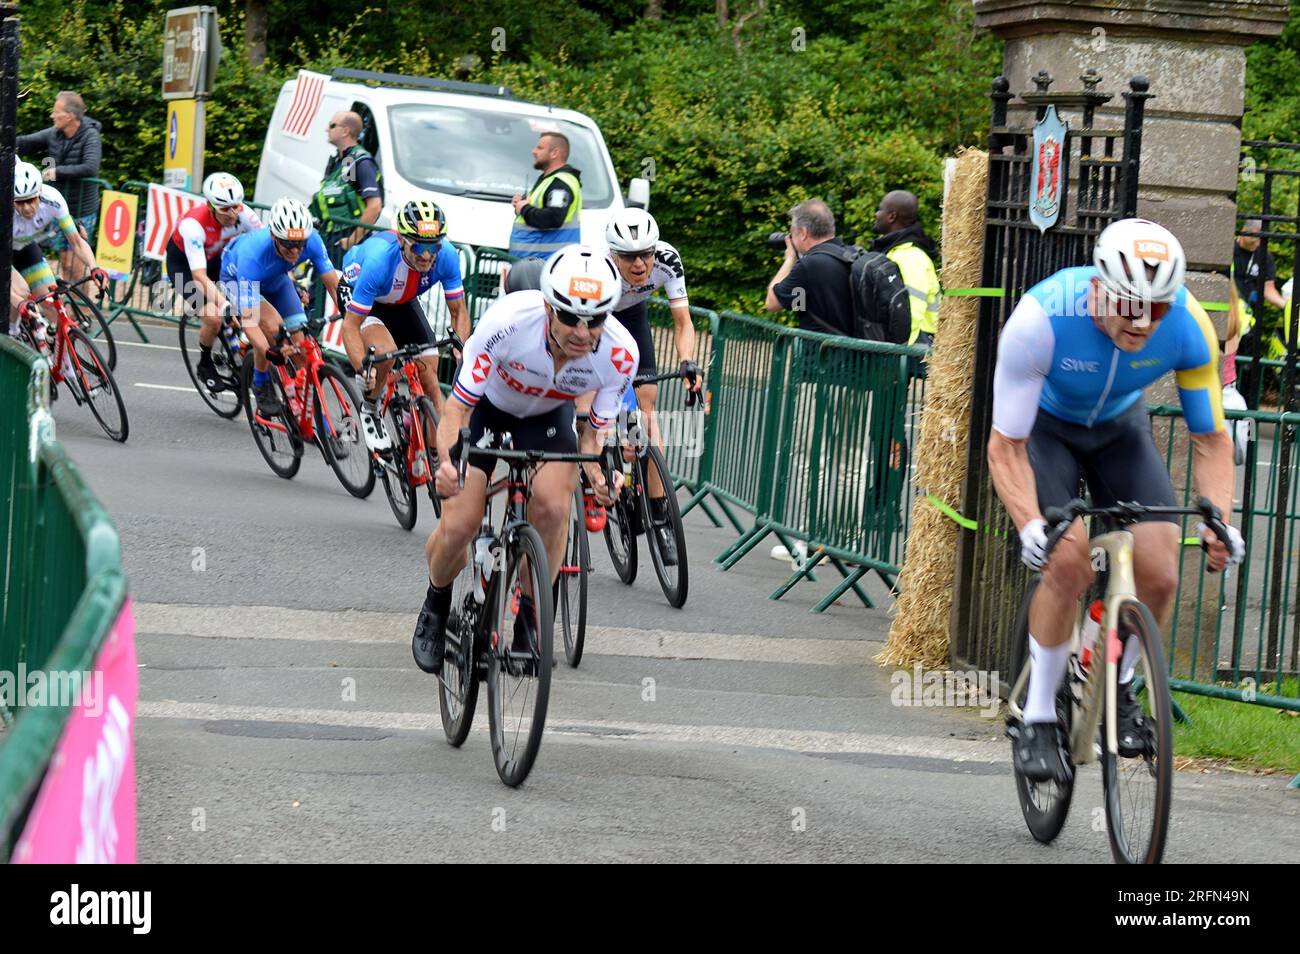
<point x="519" y="679"/>
<point x="228" y="399"/>
<point x="394" y="472"/>
<point x="1139" y="790"/>
<point x="338" y="432"/>
<point x="571" y="586"/>
<point x="97" y="386"/>
<point x="276" y="437"/>
<point x="91" y="320"/>
<point x="673" y="580"/>
<point x="1044" y="805"/>
<point x="458" y="686"/>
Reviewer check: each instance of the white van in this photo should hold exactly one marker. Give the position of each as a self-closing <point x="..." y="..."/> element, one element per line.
<point x="465" y="145"/>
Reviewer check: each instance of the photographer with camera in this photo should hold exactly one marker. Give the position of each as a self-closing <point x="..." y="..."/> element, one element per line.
<point x="814" y="286"/>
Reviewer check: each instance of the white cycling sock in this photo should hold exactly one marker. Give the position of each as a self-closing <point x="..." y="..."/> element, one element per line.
<point x="1132" y="649"/>
<point x="1044" y="679"/>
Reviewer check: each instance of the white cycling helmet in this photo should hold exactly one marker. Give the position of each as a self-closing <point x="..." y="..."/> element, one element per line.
<point x="27" y="181"/>
<point x="631" y="230"/>
<point x="581" y="281"/>
<point x="222" y="190"/>
<point x="1139" y="260"/>
<point x="290" y="220"/>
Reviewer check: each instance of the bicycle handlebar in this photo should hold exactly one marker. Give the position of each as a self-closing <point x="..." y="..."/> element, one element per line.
<point x="691" y="396"/>
<point x="1059" y="519"/>
<point x="408" y="352"/>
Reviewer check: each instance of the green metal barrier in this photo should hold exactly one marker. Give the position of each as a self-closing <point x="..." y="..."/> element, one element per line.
<point x="62" y="571"/>
<point x="809" y="433"/>
<point x="1235" y="637"/>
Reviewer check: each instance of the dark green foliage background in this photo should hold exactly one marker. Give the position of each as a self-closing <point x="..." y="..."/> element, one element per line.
<point x="842" y="100"/>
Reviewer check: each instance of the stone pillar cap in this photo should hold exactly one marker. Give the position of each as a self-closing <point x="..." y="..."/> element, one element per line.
<point x="1227" y="21"/>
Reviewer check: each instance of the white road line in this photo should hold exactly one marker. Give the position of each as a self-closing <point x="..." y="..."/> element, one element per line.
<point x="166" y="387"/>
<point x="790" y="740"/>
<point x="356" y="626"/>
<point x="146" y="344"/>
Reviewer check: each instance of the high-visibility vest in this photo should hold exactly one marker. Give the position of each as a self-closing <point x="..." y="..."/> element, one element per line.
<point x="337" y="197"/>
<point x="922" y="287"/>
<point x="528" y="242"/>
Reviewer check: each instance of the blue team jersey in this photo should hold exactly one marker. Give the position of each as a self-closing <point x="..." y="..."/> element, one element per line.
<point x="1051" y="346"/>
<point x="251" y="258"/>
<point x="377" y="273"/>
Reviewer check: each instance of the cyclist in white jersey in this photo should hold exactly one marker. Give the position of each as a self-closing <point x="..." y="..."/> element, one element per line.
<point x="531" y="356"/>
<point x="40" y="211"/>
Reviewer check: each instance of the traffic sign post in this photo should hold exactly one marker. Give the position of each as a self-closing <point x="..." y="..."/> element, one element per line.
<point x="115" y="251"/>
<point x="191" y="49"/>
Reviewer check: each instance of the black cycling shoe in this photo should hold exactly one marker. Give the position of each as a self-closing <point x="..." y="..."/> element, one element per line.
<point x="1132" y="731"/>
<point x="207" y="373"/>
<point x="429" y="644"/>
<point x="525" y="632"/>
<point x="268" y="404"/>
<point x="664" y="536"/>
<point x="1037" y="753"/>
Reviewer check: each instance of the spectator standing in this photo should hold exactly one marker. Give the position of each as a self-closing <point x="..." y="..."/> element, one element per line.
<point x="70" y="151"/>
<point x="813" y="280"/>
<point x="352" y="189"/>
<point x="1254" y="274"/>
<point x="904" y="242"/>
<point x="550" y="216"/>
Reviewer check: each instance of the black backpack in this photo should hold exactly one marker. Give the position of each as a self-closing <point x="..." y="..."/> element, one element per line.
<point x="881" y="309"/>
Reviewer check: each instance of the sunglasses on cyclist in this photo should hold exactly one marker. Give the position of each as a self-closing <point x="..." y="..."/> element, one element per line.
<point x="570" y="320"/>
<point x="424" y="248"/>
<point x="294" y="244"/>
<point x="35" y="198"/>
<point x="631" y="257"/>
<point x="1131" y="310"/>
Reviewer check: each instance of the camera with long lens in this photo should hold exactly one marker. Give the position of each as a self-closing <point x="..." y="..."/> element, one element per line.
<point x="776" y="241"/>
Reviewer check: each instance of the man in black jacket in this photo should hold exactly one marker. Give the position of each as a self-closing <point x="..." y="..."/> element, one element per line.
<point x="70" y="153"/>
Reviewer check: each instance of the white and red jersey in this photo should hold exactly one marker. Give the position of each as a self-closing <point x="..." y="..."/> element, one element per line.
<point x="508" y="360"/>
<point x="201" y="237"/>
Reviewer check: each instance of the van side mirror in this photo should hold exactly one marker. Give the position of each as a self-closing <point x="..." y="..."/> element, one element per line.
<point x="638" y="194"/>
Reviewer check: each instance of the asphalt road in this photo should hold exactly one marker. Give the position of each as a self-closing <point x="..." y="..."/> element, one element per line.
<point x="282" y="719"/>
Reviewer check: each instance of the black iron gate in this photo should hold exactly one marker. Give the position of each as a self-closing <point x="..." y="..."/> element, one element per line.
<point x="1100" y="172"/>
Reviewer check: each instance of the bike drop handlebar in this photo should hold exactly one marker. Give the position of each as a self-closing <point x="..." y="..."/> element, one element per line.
<point x="1059" y="519"/>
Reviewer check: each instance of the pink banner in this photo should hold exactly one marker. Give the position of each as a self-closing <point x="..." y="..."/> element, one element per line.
<point x="85" y="811"/>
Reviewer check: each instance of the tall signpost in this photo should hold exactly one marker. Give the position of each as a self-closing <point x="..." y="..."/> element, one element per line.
<point x="8" y="133"/>
<point x="191" y="49"/>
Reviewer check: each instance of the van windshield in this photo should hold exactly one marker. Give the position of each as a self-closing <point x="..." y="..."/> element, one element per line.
<point x="487" y="154"/>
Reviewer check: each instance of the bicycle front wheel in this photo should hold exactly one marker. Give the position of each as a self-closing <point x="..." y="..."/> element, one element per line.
<point x="91" y="320"/>
<point x="276" y="437"/>
<point x="519" y="669"/>
<point x="97" y="386"/>
<point x="571" y="586"/>
<point x="1044" y="805"/>
<point x="226" y="400"/>
<point x="426" y="418"/>
<point x="458" y="685"/>
<point x="338" y="431"/>
<point x="622" y="519"/>
<point x="1139" y="789"/>
<point x="673" y="578"/>
<point x="394" y="472"/>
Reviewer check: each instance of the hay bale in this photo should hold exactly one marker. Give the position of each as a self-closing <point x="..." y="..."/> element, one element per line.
<point x="919" y="631"/>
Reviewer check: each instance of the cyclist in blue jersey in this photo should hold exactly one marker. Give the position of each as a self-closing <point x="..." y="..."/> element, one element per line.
<point x="1067" y="402"/>
<point x="255" y="279"/>
<point x="383" y="279"/>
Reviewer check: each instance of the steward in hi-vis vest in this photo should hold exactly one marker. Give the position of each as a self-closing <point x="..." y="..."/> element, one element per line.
<point x="550" y="217"/>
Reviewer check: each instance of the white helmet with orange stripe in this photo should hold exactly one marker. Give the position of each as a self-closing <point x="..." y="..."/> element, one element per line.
<point x="581" y="281"/>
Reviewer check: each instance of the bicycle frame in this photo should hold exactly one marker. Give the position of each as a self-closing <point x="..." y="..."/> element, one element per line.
<point x="417" y="442"/>
<point x="1120" y="587"/>
<point x="62" y="346"/>
<point x="306" y="383"/>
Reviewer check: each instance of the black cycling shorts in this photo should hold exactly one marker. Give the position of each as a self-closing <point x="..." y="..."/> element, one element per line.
<point x="553" y="431"/>
<point x="636" y="319"/>
<point x="1118" y="460"/>
<point x="405" y="321"/>
<point x="178" y="270"/>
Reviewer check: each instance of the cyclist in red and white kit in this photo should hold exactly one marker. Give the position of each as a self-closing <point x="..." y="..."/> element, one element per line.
<point x="194" y="258"/>
<point x="531" y="356"/>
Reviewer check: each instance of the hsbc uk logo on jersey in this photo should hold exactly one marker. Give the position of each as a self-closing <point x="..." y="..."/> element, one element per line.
<point x="623" y="362"/>
<point x="482" y="366"/>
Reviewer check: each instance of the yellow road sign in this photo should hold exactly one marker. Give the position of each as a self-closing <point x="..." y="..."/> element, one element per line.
<point x="116" y="247"/>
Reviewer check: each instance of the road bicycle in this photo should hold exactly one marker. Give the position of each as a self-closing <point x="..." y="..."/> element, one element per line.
<point x="230" y="349"/>
<point x="411" y="420"/>
<point x="74" y="360"/>
<point x="318" y="404"/>
<point x="1138" y="788"/>
<point x="501" y="625"/>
